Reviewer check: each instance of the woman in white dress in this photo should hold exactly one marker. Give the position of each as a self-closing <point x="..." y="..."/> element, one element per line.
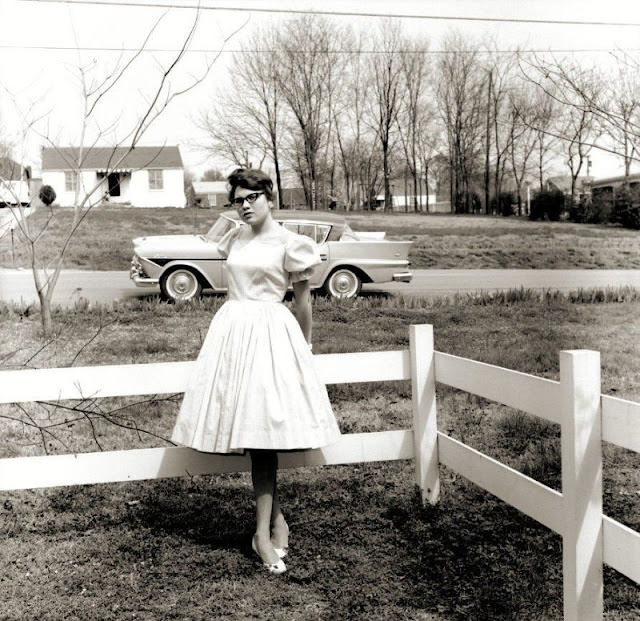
<point x="255" y="386"/>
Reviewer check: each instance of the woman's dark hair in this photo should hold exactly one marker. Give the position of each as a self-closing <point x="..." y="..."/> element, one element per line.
<point x="250" y="179"/>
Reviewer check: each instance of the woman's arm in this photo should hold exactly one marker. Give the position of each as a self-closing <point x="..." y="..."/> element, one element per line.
<point x="302" y="307"/>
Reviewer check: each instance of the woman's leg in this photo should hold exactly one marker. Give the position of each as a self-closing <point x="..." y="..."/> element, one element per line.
<point x="279" y="526"/>
<point x="264" y="467"/>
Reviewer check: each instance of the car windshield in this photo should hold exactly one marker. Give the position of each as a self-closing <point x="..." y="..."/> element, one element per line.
<point x="219" y="228"/>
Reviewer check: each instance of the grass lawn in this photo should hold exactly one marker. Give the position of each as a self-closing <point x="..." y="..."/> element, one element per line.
<point x="103" y="241"/>
<point x="362" y="547"/>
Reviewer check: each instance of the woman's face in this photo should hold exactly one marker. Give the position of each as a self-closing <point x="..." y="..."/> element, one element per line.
<point x="255" y="207"/>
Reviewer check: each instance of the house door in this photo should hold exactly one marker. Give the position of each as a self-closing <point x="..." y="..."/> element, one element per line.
<point x="114" y="184"/>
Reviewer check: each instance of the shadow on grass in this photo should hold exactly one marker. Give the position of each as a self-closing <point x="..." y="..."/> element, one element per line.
<point x="362" y="547"/>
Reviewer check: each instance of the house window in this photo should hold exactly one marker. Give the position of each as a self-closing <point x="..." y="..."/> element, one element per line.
<point x="155" y="180"/>
<point x="212" y="200"/>
<point x="70" y="181"/>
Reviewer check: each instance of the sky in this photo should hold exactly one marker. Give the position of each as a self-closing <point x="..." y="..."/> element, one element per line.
<point x="43" y="43"/>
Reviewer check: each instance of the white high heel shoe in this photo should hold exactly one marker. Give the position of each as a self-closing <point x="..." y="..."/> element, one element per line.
<point x="281" y="552"/>
<point x="284" y="550"/>
<point x="272" y="568"/>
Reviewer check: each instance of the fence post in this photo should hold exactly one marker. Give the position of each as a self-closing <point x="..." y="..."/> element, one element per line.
<point x="423" y="397"/>
<point x="582" y="547"/>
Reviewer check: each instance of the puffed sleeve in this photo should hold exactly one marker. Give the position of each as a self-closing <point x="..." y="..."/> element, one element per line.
<point x="300" y="257"/>
<point x="224" y="245"/>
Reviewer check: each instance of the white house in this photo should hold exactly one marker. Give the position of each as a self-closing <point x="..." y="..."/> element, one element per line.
<point x="14" y="182"/>
<point x="211" y="193"/>
<point x="143" y="177"/>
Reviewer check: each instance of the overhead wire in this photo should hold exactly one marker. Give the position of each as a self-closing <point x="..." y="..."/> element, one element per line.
<point x="306" y="11"/>
<point x="67" y="48"/>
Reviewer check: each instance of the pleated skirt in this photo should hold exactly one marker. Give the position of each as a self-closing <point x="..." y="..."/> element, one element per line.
<point x="255" y="385"/>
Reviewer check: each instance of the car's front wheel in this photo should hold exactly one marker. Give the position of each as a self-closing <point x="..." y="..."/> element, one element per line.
<point x="343" y="284"/>
<point x="180" y="285"/>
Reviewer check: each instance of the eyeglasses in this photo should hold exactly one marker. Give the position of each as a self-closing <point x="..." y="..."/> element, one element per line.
<point x="250" y="198"/>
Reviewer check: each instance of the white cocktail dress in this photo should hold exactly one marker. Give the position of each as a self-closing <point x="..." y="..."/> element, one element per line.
<point x="255" y="385"/>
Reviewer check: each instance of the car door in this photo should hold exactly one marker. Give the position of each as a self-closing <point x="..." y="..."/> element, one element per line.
<point x="213" y="265"/>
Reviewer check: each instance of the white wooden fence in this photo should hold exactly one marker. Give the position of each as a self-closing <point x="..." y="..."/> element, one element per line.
<point x="586" y="417"/>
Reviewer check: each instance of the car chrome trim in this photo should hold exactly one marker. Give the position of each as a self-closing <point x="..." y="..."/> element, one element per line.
<point x="144" y="282"/>
<point x="402" y="277"/>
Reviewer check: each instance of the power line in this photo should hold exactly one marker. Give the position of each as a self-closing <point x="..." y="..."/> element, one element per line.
<point x="271" y="51"/>
<point x="170" y="5"/>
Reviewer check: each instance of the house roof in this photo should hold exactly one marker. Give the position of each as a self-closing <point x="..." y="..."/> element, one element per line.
<point x="111" y="158"/>
<point x="210" y="187"/>
<point x="10" y="170"/>
<point x="563" y="182"/>
<point x="615" y="181"/>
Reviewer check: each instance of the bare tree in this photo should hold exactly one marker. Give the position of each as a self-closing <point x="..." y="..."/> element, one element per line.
<point x="581" y="110"/>
<point x="350" y="131"/>
<point x="616" y="106"/>
<point x="414" y="120"/>
<point x="431" y="145"/>
<point x="212" y="174"/>
<point x="547" y="143"/>
<point x="306" y="71"/>
<point x="386" y="72"/>
<point x="247" y="114"/>
<point x="229" y="134"/>
<point x="460" y="97"/>
<point x="98" y="90"/>
<point x="499" y="85"/>
<point x="523" y="137"/>
<point x="578" y="129"/>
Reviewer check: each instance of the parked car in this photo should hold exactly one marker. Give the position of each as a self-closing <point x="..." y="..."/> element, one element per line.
<point x="184" y="265"/>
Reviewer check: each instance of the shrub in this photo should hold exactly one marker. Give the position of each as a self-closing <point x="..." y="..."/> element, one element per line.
<point x="591" y="211"/>
<point x="468" y="202"/>
<point x="626" y="208"/>
<point x="547" y="206"/>
<point x="47" y="195"/>
<point x="504" y="204"/>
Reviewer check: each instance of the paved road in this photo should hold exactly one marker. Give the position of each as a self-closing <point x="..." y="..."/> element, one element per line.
<point x="17" y="285"/>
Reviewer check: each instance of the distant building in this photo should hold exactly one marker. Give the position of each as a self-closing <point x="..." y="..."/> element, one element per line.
<point x="211" y="193"/>
<point x="14" y="182"/>
<point x="610" y="184"/>
<point x="143" y="177"/>
<point x="562" y="183"/>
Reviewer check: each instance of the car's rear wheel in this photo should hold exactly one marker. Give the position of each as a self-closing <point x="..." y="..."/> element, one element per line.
<point x="343" y="284"/>
<point x="180" y="285"/>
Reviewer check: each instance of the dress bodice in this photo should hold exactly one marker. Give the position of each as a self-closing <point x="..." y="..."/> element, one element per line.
<point x="261" y="268"/>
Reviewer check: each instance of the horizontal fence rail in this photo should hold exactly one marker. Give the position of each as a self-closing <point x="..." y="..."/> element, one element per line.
<point x="621" y="422"/>
<point x="170" y="377"/>
<point x="547" y="399"/>
<point x="157" y="463"/>
<point x="621" y="548"/>
<point x="531" y="394"/>
<point x="620" y="418"/>
<point x="520" y="491"/>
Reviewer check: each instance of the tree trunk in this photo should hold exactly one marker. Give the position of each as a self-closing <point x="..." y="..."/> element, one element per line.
<point x="426" y="187"/>
<point x="278" y="180"/>
<point x="406" y="189"/>
<point x="387" y="183"/>
<point x="488" y="146"/>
